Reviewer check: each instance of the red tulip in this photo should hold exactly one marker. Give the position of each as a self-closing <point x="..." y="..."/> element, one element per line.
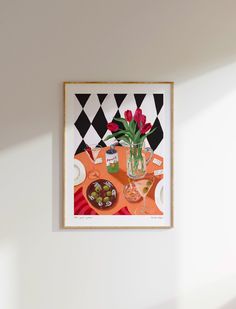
<point x="113" y="127"/>
<point x="138" y="115"/>
<point x="128" y="115"/>
<point x="142" y="121"/>
<point x="146" y="128"/>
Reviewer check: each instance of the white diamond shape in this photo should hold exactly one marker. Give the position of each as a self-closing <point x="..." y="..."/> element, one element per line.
<point x="92" y="106"/>
<point x="149" y="109"/>
<point x="160" y="149"/>
<point x="128" y="103"/>
<point x="109" y="107"/>
<point x="92" y="137"/>
<point x="161" y="117"/>
<point x="146" y="143"/>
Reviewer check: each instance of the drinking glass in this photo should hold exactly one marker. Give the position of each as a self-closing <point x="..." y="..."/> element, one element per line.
<point x="143" y="187"/>
<point x="93" y="152"/>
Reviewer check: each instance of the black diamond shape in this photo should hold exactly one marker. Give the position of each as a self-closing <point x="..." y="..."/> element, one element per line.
<point x="101" y="143"/>
<point x="117" y="115"/>
<point x="119" y="98"/>
<point x="81" y="147"/>
<point x="101" y="97"/>
<point x="156" y="137"/>
<point x="139" y="97"/>
<point x="82" y="123"/>
<point x="100" y="123"/>
<point x="82" y="98"/>
<point x="158" y="98"/>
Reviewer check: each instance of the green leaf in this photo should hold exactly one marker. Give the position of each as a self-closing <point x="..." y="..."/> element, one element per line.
<point x="129" y="134"/>
<point x="151" y="131"/>
<point x="108" y="137"/>
<point x="137" y="136"/>
<point x="142" y="139"/>
<point x="132" y="126"/>
<point x="114" y="134"/>
<point x="124" y="138"/>
<point x="123" y="121"/>
<point x="125" y="132"/>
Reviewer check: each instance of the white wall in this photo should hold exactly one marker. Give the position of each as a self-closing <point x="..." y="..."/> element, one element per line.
<point x="44" y="43"/>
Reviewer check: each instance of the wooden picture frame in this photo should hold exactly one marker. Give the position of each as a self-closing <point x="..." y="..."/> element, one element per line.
<point x="96" y="197"/>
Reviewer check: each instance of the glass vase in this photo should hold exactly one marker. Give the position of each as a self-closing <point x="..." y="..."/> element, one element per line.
<point x="136" y="156"/>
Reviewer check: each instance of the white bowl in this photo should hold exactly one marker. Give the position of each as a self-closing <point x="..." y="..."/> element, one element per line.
<point x="79" y="172"/>
<point x="159" y="195"/>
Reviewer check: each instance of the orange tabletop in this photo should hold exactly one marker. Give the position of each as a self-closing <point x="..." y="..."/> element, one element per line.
<point x="119" y="180"/>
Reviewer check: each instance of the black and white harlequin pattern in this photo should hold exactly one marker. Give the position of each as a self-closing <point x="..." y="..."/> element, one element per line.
<point x="94" y="111"/>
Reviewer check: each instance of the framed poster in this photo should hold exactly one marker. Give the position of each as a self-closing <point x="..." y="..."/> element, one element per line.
<point x="118" y="155"/>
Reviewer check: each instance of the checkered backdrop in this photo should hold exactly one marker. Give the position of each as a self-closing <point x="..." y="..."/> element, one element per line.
<point x="93" y="112"/>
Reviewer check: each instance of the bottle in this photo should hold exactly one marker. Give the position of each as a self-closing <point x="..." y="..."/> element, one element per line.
<point x="112" y="160"/>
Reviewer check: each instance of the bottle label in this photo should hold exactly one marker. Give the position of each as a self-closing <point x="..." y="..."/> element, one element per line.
<point x="112" y="162"/>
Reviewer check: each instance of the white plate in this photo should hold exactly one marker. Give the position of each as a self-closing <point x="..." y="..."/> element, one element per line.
<point x="159" y="195"/>
<point x="79" y="172"/>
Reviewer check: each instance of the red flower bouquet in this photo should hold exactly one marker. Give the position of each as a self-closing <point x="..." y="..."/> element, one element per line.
<point x="134" y="133"/>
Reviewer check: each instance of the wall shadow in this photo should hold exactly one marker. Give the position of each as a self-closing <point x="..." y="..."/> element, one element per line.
<point x="230" y="305"/>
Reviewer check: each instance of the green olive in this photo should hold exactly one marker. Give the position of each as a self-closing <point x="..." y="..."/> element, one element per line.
<point x="106" y="188"/>
<point x="94" y="194"/>
<point x="99" y="199"/>
<point x="106" y="199"/>
<point x="145" y="189"/>
<point x="149" y="183"/>
<point x="109" y="193"/>
<point x="97" y="189"/>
